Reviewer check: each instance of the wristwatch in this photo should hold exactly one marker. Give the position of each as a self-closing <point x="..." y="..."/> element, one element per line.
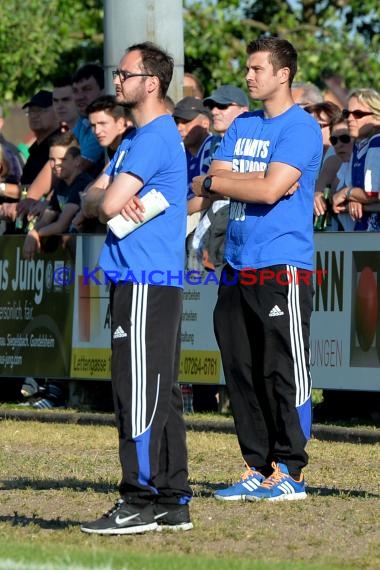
<point x="206" y="185"/>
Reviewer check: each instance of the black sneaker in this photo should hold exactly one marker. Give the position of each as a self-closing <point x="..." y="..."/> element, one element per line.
<point x="123" y="518"/>
<point x="172" y="517"/>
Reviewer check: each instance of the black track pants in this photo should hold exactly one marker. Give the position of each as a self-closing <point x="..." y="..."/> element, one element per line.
<point x="148" y="403"/>
<point x="262" y="329"/>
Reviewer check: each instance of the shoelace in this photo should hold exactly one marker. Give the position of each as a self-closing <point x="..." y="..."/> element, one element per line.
<point x="119" y="503"/>
<point x="247" y="473"/>
<point x="275" y="478"/>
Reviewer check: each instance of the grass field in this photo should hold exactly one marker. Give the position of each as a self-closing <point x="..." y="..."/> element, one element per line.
<point x="53" y="476"/>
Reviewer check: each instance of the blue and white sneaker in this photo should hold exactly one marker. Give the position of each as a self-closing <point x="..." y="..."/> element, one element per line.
<point x="279" y="486"/>
<point x="249" y="482"/>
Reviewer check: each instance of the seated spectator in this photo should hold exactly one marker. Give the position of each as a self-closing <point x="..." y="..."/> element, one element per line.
<point x="14" y="152"/>
<point x="43" y="124"/>
<point x="64" y="104"/>
<point x="65" y="161"/>
<point x="86" y="84"/>
<point x="332" y="175"/>
<point x="225" y="103"/>
<point x="306" y="93"/>
<point x="9" y="181"/>
<point x="326" y="113"/>
<point x="111" y="122"/>
<point x="193" y="120"/>
<point x="192" y="87"/>
<point x="361" y="185"/>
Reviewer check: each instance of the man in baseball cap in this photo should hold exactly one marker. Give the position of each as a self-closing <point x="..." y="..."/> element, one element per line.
<point x="42" y="99"/>
<point x="189" y="108"/>
<point x="225" y="104"/>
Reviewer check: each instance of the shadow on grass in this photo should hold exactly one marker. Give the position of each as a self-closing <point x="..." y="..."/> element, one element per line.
<point x="200" y="488"/>
<point x="49" y="524"/>
<point x="23" y="483"/>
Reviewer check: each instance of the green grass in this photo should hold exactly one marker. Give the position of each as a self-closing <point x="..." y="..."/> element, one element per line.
<point x="41" y="557"/>
<point x="54" y="476"/>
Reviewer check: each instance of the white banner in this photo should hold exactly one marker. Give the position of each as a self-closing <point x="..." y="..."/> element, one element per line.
<point x="345" y="327"/>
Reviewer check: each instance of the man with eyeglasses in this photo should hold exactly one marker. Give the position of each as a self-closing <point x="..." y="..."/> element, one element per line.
<point x="146" y="311"/>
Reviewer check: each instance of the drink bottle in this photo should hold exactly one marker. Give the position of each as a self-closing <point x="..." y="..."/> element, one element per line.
<point x="19" y="221"/>
<point x="321" y="221"/>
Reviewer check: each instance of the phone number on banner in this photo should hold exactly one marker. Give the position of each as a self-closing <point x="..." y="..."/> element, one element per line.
<point x="200" y="366"/>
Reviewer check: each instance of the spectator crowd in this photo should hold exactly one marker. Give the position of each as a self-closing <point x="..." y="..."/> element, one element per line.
<point x="76" y="129"/>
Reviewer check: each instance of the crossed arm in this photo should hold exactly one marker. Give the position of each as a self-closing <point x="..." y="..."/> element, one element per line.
<point x="267" y="187"/>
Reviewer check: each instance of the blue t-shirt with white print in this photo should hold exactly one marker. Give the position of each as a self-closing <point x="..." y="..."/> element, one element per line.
<point x="261" y="235"/>
<point x="154" y="253"/>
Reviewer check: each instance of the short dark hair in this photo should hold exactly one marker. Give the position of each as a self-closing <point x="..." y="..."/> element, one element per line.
<point x="110" y="105"/>
<point x="281" y="53"/>
<point x="157" y="62"/>
<point x="90" y="70"/>
<point x="66" y="139"/>
<point x="333" y="112"/>
<point x="62" y="81"/>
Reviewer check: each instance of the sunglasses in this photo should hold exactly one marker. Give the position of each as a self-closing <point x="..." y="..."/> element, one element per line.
<point x="345" y="139"/>
<point x="220" y="106"/>
<point x="357" y="114"/>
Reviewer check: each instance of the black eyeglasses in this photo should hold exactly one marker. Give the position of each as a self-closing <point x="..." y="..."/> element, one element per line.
<point x="124" y="75"/>
<point x="345" y="139"/>
<point x="357" y="113"/>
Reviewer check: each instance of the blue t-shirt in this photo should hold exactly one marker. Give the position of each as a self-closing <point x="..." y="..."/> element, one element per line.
<point x="154" y="253"/>
<point x="90" y="149"/>
<point x="116" y="163"/>
<point x="200" y="163"/>
<point x="261" y="235"/>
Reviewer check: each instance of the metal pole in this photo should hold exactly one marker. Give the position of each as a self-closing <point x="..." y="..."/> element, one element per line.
<point x="127" y="22"/>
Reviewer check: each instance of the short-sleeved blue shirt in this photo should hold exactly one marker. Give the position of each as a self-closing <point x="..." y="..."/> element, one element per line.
<point x="155" y="251"/>
<point x="260" y="235"/>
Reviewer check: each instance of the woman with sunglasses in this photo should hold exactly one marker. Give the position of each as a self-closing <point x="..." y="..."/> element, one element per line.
<point x="325" y="113"/>
<point x="362" y="180"/>
<point x="332" y="173"/>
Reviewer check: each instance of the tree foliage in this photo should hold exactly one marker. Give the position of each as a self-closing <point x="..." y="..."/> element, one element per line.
<point x="40" y="39"/>
<point x="331" y="36"/>
<point x="43" y="38"/>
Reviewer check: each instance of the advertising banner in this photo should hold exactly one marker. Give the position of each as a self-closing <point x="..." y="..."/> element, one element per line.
<point x="36" y="309"/>
<point x="345" y="326"/>
<point x="91" y="353"/>
<point x="55" y="317"/>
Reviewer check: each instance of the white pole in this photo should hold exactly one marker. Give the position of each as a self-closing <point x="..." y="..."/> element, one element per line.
<point x="127" y="22"/>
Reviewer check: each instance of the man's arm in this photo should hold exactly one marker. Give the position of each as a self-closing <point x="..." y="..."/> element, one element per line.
<point x="42" y="183"/>
<point x="62" y="223"/>
<point x="124" y="187"/>
<point x="279" y="180"/>
<point x="32" y="243"/>
<point x="93" y="196"/>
